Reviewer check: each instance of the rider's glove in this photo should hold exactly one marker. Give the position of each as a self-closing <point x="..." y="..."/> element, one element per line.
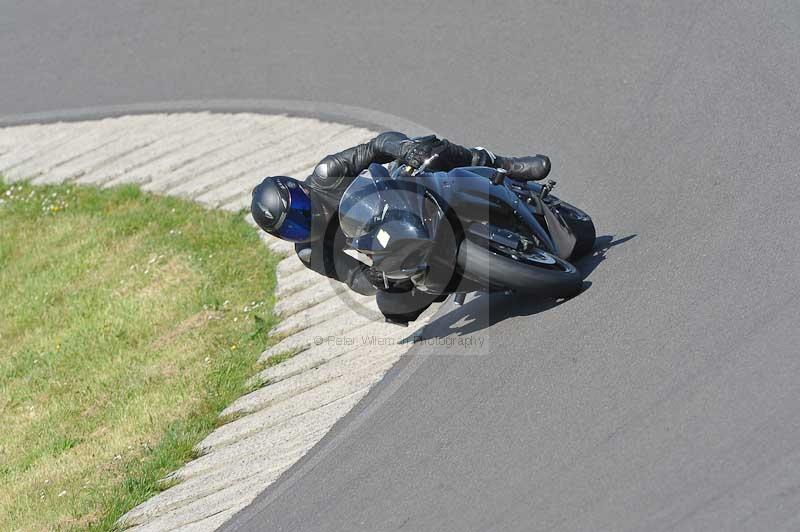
<point x="415" y="152"/>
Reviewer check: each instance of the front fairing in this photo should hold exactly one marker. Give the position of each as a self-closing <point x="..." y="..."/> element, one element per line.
<point x="389" y="219"/>
<point x="400" y="248"/>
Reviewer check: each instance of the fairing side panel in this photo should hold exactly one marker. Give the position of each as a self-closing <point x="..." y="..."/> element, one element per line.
<point x="471" y="194"/>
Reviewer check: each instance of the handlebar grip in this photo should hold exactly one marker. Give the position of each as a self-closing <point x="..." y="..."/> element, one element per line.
<point x="394" y="147"/>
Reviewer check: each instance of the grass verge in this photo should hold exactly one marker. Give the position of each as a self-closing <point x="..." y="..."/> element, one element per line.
<point x="127" y="323"/>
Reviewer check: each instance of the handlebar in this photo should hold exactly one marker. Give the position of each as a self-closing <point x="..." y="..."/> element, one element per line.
<point x="425" y="164"/>
<point x="395" y="147"/>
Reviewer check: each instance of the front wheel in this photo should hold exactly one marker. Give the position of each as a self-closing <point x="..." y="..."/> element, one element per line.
<point x="536" y="272"/>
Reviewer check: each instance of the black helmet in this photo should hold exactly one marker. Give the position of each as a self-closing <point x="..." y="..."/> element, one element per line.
<point x="281" y="207"/>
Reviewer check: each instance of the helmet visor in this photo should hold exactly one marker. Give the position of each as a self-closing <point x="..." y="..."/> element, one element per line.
<point x="296" y="225"/>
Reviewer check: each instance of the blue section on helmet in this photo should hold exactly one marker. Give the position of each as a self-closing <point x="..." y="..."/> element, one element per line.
<point x="297" y="224"/>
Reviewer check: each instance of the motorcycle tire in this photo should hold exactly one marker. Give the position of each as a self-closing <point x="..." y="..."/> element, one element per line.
<point x="497" y="271"/>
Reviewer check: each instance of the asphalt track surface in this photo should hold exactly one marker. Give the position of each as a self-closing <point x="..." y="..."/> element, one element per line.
<point x="667" y="395"/>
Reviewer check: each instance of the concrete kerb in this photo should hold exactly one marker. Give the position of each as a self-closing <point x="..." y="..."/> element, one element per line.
<point x="306" y="394"/>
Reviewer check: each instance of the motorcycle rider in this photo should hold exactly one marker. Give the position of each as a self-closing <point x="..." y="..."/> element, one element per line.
<point x="307" y="212"/>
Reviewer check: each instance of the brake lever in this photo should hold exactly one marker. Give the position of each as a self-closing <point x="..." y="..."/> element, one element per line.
<point x="425" y="164"/>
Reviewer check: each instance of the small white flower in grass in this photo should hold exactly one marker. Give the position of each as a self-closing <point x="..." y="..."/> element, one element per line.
<point x="62" y="493"/>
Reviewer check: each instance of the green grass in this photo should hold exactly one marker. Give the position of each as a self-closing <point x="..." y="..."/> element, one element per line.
<point x="127" y="323"/>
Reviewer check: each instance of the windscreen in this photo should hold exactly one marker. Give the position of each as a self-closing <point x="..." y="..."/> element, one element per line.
<point x="371" y="200"/>
<point x="360" y="207"/>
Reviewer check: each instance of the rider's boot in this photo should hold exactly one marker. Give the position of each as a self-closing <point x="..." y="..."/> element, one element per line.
<point x="530" y="168"/>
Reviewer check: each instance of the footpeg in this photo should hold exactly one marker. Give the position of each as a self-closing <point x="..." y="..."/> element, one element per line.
<point x="460" y="298"/>
<point x="499" y="176"/>
<point x="547" y="188"/>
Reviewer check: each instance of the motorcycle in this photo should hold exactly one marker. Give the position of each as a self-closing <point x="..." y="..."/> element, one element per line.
<point x="469" y="229"/>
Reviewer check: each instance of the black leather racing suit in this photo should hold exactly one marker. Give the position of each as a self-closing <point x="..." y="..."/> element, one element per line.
<point x="327" y="183"/>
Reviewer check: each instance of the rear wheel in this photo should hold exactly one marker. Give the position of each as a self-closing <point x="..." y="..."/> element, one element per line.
<point x="502" y="268"/>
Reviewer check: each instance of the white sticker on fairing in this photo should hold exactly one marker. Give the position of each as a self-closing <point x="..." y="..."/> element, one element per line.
<point x="383" y="237"/>
<point x="358" y="256"/>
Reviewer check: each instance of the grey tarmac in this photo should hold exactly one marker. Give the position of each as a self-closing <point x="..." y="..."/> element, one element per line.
<point x="665" y="397"/>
